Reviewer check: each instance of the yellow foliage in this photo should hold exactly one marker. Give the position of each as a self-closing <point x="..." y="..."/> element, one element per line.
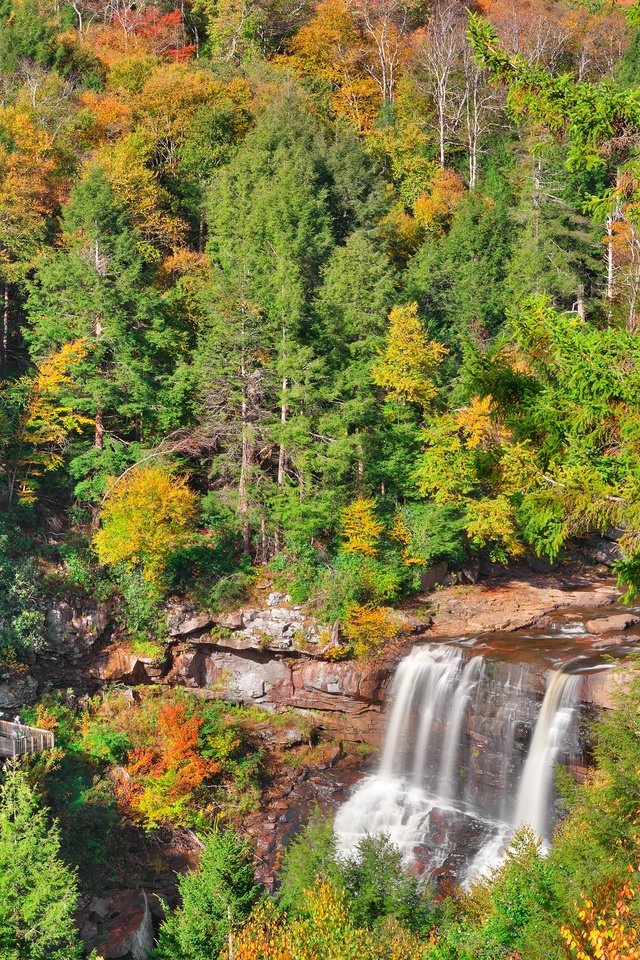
<point x="325" y="932"/>
<point x="606" y="930"/>
<point x="330" y="48"/>
<point x="127" y="166"/>
<point x="402" y="535"/>
<point x="436" y="208"/>
<point x="148" y="515"/>
<point x="369" y="627"/>
<point x="492" y="522"/>
<point x="480" y="424"/>
<point x="409" y="360"/>
<point x="361" y="527"/>
<point x="49" y="420"/>
<point x="49" y="416"/>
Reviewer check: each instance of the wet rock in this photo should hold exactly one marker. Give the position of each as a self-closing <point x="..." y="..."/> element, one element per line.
<point x="619" y="622"/>
<point x="513" y="603"/>
<point x="129" y="930"/>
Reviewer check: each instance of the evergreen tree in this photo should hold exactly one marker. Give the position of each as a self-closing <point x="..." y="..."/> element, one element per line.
<point x="270" y="233"/>
<point x="38" y="892"/>
<point x="458" y="279"/>
<point x="215" y="900"/>
<point x="97" y="288"/>
<point x="357" y="293"/>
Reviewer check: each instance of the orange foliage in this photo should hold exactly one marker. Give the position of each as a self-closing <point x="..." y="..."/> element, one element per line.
<point x="331" y="49"/>
<point x="111" y="116"/>
<point x="29" y="188"/>
<point x="607" y="930"/>
<point x="435" y="210"/>
<point x="163" y="776"/>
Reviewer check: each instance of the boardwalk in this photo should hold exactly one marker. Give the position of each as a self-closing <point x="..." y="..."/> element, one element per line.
<point x="17" y="739"/>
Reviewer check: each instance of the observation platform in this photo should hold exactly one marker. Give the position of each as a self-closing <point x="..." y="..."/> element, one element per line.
<point x="17" y="739"/>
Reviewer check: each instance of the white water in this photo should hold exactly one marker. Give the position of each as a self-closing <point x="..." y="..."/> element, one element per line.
<point x="468" y="757"/>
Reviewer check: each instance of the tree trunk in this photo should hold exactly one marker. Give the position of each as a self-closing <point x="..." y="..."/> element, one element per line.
<point x="98" y="441"/>
<point x="6" y="333"/>
<point x="247" y="453"/>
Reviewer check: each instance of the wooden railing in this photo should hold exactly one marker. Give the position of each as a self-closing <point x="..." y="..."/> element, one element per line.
<point x="17" y="739"/>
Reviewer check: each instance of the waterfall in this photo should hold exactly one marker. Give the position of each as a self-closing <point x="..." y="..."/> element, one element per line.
<point x="536" y="784"/>
<point x="468" y="757"/>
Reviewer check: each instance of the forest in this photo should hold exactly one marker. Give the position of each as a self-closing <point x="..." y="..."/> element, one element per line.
<point x="319" y="295"/>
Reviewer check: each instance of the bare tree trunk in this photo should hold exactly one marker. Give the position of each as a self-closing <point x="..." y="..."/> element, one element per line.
<point x="98" y="441"/>
<point x="5" y="326"/>
<point x="246" y="461"/>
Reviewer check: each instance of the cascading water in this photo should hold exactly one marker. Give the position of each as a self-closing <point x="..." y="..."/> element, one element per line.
<point x="468" y="757"/>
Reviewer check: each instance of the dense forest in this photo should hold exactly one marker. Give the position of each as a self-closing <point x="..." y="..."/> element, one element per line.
<point x="325" y="294"/>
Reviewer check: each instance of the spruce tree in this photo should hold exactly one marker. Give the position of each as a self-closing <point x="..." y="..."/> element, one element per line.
<point x="215" y="900"/>
<point x="97" y="288"/>
<point x="38" y="892"/>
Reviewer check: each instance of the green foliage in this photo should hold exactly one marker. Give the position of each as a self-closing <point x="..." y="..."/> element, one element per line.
<point x="310" y="856"/>
<point x="379" y="886"/>
<point x="215" y="900"/>
<point x="22" y="590"/>
<point x="38" y="892"/>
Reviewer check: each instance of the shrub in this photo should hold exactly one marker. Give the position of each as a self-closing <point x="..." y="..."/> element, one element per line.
<point x="368" y="627"/>
<point x="22" y="622"/>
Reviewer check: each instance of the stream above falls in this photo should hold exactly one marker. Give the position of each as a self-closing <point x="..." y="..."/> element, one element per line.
<point x="475" y="728"/>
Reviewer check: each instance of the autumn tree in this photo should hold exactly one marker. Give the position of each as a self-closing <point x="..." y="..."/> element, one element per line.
<point x="409" y="360"/>
<point x="146" y="516"/>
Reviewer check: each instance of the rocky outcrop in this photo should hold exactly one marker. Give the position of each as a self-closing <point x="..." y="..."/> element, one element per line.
<point x="274" y="654"/>
<point x="510" y="603"/>
<point x="76" y="625"/>
<point x="118" y="925"/>
<point x="16" y="691"/>
<point x="617" y="623"/>
<point x="280" y="626"/>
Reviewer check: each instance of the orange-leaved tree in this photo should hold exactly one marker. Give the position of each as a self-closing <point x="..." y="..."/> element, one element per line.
<point x="607" y="929"/>
<point x="164" y="775"/>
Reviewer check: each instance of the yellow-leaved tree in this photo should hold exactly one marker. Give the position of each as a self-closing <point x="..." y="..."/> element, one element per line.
<point x="409" y="360"/>
<point x="49" y="417"/>
<point x="361" y="527"/>
<point x="146" y="516"/>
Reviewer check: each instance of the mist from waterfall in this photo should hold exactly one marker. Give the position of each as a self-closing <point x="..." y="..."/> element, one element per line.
<point x="469" y="756"/>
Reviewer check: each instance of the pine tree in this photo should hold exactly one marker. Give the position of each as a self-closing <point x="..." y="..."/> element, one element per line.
<point x="215" y="900"/>
<point x="270" y="233"/>
<point x="97" y="288"/>
<point x="38" y="892"/>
